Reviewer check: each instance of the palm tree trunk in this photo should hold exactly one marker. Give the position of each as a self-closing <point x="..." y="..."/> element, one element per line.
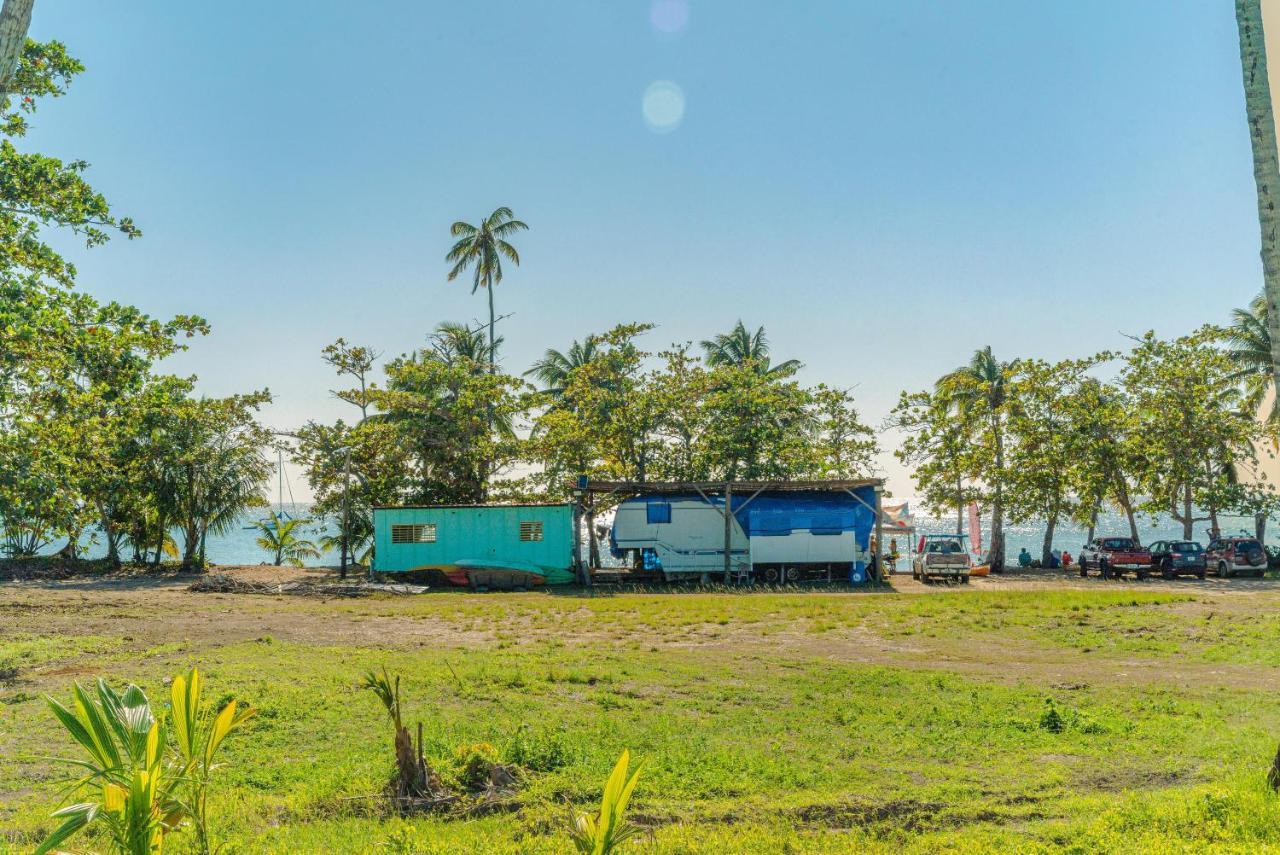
<point x="493" y="355"/>
<point x="15" y="18"/>
<point x="995" y="555"/>
<point x="1266" y="161"/>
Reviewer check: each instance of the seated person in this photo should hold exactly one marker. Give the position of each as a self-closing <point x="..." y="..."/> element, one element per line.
<point x="1055" y="559"/>
<point x="1066" y="558"/>
<point x="1024" y="558"/>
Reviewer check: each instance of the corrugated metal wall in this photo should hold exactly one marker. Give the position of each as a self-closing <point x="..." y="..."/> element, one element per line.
<point x="489" y="533"/>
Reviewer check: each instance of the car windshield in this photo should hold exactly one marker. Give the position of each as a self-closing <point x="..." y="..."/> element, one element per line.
<point x="944" y="546"/>
<point x="1187" y="546"/>
<point x="1117" y="543"/>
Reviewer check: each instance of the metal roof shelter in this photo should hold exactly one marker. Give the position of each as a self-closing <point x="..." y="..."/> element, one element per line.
<point x="599" y="491"/>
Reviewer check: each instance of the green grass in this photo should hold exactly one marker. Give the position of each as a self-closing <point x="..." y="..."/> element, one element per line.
<point x="761" y="725"/>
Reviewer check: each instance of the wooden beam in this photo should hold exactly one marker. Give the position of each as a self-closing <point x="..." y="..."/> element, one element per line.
<point x="728" y="529"/>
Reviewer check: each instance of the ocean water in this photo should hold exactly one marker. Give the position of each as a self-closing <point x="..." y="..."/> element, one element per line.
<point x="236" y="546"/>
<point x="239" y="546"/>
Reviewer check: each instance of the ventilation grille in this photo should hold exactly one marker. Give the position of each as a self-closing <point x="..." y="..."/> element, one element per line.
<point x="531" y="532"/>
<point x="418" y="533"/>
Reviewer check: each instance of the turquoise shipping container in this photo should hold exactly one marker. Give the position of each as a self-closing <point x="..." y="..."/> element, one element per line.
<point x="477" y="545"/>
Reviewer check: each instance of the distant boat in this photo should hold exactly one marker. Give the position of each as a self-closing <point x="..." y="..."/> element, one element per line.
<point x="281" y="513"/>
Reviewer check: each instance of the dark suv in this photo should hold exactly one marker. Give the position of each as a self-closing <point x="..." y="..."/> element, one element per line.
<point x="1174" y="557"/>
<point x="1228" y="556"/>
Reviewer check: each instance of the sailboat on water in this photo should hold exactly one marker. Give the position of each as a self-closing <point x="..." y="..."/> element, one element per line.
<point x="282" y="481"/>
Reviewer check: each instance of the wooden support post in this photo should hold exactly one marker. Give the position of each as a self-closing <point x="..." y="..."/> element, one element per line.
<point x="728" y="530"/>
<point x="583" y="576"/>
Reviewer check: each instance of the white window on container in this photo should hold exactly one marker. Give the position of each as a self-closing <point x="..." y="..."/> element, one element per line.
<point x="415" y="533"/>
<point x="531" y="531"/>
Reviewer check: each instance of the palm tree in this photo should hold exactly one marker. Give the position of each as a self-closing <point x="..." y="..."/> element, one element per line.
<point x="555" y="368"/>
<point x="1266" y="162"/>
<point x="741" y="348"/>
<point x="281" y="537"/>
<point x="453" y="342"/>
<point x="1249" y="347"/>
<point x="980" y="389"/>
<point x="482" y="248"/>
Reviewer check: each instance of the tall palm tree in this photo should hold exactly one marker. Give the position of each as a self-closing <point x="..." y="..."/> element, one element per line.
<point x="554" y="368"/>
<point x="1266" y="161"/>
<point x="482" y="248"/>
<point x="741" y="347"/>
<point x="981" y="389"/>
<point x="1249" y="347"/>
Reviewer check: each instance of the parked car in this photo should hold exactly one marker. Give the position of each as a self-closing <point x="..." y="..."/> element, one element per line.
<point x="942" y="556"/>
<point x="1231" y="556"/>
<point x="1115" y="556"/>
<point x="1178" y="557"/>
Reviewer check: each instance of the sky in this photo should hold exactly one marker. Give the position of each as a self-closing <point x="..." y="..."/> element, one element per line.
<point x="886" y="187"/>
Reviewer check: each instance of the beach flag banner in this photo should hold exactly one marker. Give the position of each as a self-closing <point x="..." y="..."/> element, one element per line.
<point x="975" y="529"/>
<point x="898" y="516"/>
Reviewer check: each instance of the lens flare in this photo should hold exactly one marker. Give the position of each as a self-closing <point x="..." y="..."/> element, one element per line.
<point x="669" y="16"/>
<point x="663" y="106"/>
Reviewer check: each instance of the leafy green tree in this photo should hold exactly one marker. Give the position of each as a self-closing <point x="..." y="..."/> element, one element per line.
<point x="212" y="466"/>
<point x="356" y="362"/>
<point x="741" y="348"/>
<point x="936" y="445"/>
<point x="482" y="249"/>
<point x="554" y="369"/>
<point x="456" y="423"/>
<point x="1190" y="424"/>
<point x="1043" y="421"/>
<point x="282" y="538"/>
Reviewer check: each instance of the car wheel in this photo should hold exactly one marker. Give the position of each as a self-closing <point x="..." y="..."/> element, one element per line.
<point x="964" y="580"/>
<point x="1259" y="573"/>
<point x="1224" y="571"/>
<point x="1084" y="572"/>
<point x="1200" y="575"/>
<point x="1167" y="572"/>
<point x="1141" y="574"/>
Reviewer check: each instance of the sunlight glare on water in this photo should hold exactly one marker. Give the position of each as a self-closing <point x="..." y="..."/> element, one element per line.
<point x="663" y="106"/>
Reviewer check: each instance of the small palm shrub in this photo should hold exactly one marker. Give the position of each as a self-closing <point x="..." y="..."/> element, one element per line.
<point x="137" y="786"/>
<point x="605" y="834"/>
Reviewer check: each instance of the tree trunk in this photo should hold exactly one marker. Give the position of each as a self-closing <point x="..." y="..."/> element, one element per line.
<point x="1046" y="550"/>
<point x="493" y="351"/>
<point x="593" y="549"/>
<point x="15" y="19"/>
<point x="1266" y="161"/>
<point x="1122" y="497"/>
<point x="1187" y="525"/>
<point x="960" y="506"/>
<point x="995" y="555"/>
<point x="1093" y="521"/>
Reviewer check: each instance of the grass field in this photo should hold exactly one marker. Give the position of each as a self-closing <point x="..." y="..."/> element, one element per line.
<point x="1006" y="718"/>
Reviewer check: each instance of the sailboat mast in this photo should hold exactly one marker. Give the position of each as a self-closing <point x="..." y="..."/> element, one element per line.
<point x="279" y="482"/>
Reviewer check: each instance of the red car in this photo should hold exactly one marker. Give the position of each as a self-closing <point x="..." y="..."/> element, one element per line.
<point x="1115" y="556"/>
<point x="1228" y="556"/>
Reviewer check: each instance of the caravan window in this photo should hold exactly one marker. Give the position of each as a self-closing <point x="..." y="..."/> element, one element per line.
<point x="420" y="533"/>
<point x="658" y="512"/>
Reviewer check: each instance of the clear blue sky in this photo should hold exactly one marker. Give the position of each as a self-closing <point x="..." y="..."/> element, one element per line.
<point x="885" y="186"/>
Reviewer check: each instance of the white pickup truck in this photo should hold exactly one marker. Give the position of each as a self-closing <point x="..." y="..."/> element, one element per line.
<point x="942" y="556"/>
